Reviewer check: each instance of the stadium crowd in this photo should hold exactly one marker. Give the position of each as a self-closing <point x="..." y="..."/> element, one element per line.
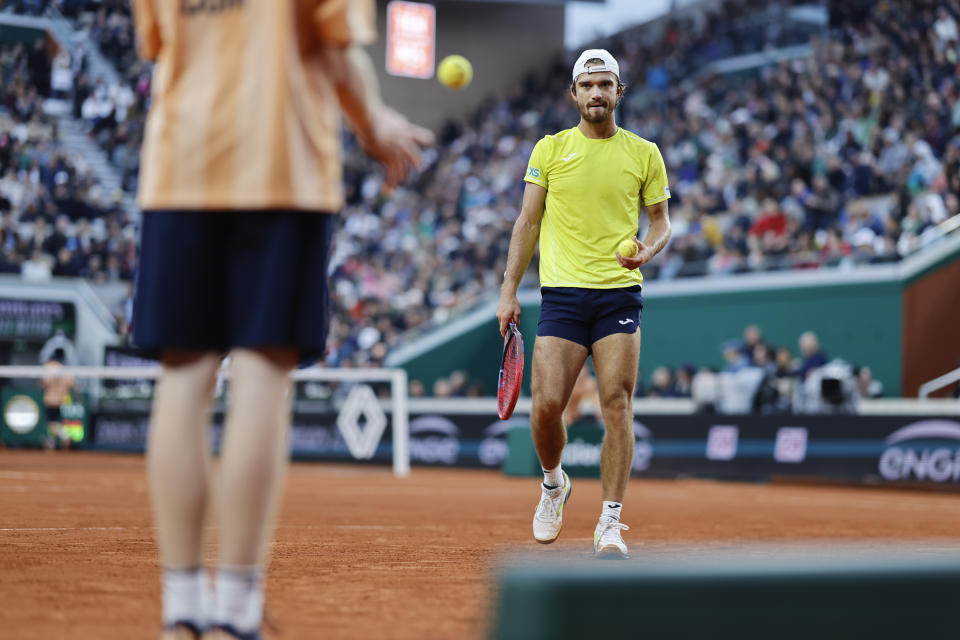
<point x="844" y="155"/>
<point x="756" y="377"/>
<point x="760" y="377"/>
<point x="55" y="219"/>
<point x="115" y="113"/>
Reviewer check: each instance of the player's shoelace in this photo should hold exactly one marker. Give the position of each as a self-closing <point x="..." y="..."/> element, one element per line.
<point x="611" y="533"/>
<point x="548" y="509"/>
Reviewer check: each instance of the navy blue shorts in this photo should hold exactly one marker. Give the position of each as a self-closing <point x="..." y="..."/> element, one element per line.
<point x="211" y="281"/>
<point x="587" y="315"/>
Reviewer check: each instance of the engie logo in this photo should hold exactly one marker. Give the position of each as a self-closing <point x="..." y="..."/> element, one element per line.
<point x="434" y="439"/>
<point x="925" y="450"/>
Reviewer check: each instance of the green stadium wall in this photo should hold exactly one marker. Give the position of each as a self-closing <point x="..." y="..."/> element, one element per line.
<point x="859" y="322"/>
<point x="901" y="320"/>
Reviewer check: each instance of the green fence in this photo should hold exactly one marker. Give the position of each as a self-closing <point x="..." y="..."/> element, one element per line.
<point x="859" y="322"/>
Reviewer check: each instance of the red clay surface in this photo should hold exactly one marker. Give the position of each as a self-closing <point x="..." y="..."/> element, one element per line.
<point x="359" y="554"/>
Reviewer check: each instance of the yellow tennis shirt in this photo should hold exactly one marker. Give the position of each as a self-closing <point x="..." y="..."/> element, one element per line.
<point x="594" y="189"/>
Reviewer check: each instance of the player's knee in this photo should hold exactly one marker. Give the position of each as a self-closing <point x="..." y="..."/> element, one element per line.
<point x="546" y="409"/>
<point x="617" y="400"/>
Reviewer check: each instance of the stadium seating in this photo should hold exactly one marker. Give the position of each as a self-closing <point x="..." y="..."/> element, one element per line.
<point x="841" y="156"/>
<point x="57" y="220"/>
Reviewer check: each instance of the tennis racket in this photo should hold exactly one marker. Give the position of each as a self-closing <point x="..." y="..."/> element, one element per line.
<point x="511" y="372"/>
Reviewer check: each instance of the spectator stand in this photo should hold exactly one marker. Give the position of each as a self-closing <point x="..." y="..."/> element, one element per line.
<point x="843" y="157"/>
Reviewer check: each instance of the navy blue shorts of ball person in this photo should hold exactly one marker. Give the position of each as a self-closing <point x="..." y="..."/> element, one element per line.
<point x="587" y="315"/>
<point x="212" y="281"/>
<point x="53" y="414"/>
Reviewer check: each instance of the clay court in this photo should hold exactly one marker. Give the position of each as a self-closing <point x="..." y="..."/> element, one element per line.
<point x="360" y="554"/>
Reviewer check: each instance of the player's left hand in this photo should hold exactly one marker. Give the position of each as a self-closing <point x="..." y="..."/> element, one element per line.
<point x="644" y="255"/>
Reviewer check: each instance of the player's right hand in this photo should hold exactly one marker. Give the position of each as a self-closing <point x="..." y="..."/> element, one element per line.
<point x="644" y="255"/>
<point x="508" y="311"/>
<point x="395" y="143"/>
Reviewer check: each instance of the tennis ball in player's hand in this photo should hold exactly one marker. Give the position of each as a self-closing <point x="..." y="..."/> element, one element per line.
<point x="627" y="248"/>
<point x="455" y="72"/>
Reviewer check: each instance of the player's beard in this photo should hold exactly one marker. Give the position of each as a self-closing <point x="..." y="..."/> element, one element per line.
<point x="597" y="116"/>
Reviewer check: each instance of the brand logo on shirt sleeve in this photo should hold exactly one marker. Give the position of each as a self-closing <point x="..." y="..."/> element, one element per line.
<point x="533" y="172"/>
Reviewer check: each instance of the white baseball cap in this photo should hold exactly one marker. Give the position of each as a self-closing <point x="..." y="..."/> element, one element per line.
<point x="609" y="63"/>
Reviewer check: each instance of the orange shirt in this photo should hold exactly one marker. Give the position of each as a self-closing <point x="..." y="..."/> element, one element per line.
<point x="243" y="115"/>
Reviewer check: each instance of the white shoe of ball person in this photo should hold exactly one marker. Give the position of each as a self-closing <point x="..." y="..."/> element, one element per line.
<point x="548" y="518"/>
<point x="607" y="541"/>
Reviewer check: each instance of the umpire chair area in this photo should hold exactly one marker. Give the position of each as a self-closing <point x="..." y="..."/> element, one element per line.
<point x="763" y="592"/>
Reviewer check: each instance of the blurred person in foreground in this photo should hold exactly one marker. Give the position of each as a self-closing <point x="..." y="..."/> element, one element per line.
<point x="585" y="188"/>
<point x="241" y="178"/>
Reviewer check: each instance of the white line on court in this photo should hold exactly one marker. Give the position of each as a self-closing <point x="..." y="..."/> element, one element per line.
<point x="24" y="529"/>
<point x="23" y="475"/>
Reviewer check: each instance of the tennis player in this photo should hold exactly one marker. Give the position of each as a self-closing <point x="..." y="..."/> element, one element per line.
<point x="585" y="187"/>
<point x="241" y="175"/>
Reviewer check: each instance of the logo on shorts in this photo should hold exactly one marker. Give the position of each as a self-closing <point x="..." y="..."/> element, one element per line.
<point x="627" y="321"/>
<point x="533" y="172"/>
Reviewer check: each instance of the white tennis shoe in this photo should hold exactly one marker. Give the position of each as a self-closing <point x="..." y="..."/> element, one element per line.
<point x="548" y="518"/>
<point x="607" y="541"/>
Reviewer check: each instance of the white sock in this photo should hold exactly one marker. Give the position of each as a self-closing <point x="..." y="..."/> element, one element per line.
<point x="185" y="597"/>
<point x="239" y="599"/>
<point x="553" y="477"/>
<point x="611" y="510"/>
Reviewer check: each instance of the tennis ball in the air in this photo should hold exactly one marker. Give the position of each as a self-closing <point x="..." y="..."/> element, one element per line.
<point x="627" y="248"/>
<point x="455" y="72"/>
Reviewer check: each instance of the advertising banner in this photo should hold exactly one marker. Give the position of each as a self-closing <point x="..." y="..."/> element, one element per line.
<point x="411" y="39"/>
<point x="23" y="422"/>
<point x="435" y="439"/>
<point x="36" y="320"/>
<point x="868" y="449"/>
